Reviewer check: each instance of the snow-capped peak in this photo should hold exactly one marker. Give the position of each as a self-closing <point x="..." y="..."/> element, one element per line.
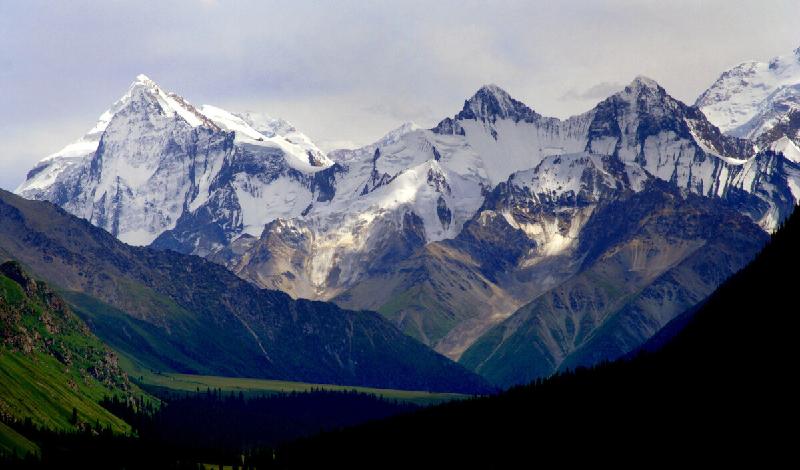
<point x="252" y="126"/>
<point x="407" y="127"/>
<point x="170" y="103"/>
<point x="257" y="128"/>
<point x="499" y="94"/>
<point x="47" y="170"/>
<point x="278" y="128"/>
<point x="367" y="152"/>
<point x="640" y="86"/>
<point x="153" y="158"/>
<point x="491" y="102"/>
<point x="143" y="79"/>
<point x="266" y="124"/>
<point x="395" y="134"/>
<point x="643" y="96"/>
<point x="741" y="93"/>
<point x="231" y="122"/>
<point x="774" y="116"/>
<point x="641" y="82"/>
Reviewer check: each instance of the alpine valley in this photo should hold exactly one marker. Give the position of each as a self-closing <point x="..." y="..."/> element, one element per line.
<point x="516" y="244"/>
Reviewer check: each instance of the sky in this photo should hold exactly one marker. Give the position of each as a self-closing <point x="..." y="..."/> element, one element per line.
<point x="346" y="72"/>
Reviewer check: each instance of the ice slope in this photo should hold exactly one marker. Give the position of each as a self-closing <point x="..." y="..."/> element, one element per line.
<point x="260" y="129"/>
<point x="776" y="110"/>
<point x="743" y="92"/>
<point x="789" y="149"/>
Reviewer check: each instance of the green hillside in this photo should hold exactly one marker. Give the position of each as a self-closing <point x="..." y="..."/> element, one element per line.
<point x="14" y="443"/>
<point x="51" y="366"/>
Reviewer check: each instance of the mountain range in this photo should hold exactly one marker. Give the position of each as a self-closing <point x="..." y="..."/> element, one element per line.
<point x="515" y="243"/>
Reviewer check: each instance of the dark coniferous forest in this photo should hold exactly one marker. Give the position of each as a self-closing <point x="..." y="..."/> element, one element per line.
<point x="182" y="430"/>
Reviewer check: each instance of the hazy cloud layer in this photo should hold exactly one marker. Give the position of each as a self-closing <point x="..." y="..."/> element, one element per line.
<point x="347" y="72"/>
<point x="593" y="93"/>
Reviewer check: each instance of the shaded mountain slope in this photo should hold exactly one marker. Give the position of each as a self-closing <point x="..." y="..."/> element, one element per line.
<point x="183" y="313"/>
<point x="646" y="259"/>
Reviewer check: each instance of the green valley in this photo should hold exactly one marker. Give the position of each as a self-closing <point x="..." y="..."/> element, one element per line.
<point x="175" y="382"/>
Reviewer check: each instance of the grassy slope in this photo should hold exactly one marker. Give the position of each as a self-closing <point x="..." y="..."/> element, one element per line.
<point x="39" y="387"/>
<point x="125" y="334"/>
<point x="35" y="384"/>
<point x="13" y="443"/>
<point x="402" y="310"/>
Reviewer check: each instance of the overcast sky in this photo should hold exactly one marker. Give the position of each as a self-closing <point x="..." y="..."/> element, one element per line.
<point x="347" y="72"/>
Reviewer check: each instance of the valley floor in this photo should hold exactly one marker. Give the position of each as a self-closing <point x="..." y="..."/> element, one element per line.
<point x="174" y="382"/>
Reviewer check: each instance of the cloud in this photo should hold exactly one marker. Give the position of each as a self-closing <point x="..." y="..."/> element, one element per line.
<point x="401" y="111"/>
<point x="24" y="146"/>
<point x="593" y="93"/>
<point x="328" y="145"/>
